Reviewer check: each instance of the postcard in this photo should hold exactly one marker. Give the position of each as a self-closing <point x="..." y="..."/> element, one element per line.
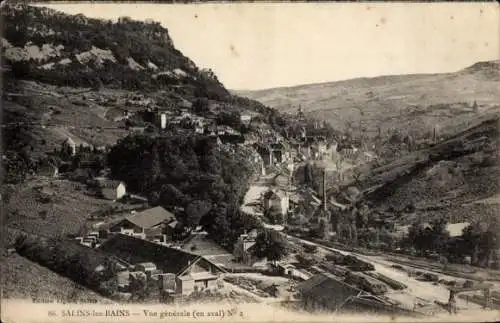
<point x="253" y="162"/>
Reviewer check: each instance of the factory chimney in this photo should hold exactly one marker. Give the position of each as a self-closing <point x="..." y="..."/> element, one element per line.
<point x="324" y="189"/>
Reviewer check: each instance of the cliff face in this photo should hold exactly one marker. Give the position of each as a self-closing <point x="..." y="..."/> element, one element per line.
<point x="45" y="45"/>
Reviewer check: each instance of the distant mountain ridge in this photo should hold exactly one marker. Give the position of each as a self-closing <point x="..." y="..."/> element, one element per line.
<point x="382" y="100"/>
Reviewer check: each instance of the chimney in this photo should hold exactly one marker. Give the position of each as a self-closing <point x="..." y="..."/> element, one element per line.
<point x="324" y="189"/>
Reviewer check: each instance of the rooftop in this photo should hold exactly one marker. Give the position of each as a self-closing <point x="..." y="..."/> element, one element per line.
<point x="151" y="217"/>
<point x="135" y="250"/>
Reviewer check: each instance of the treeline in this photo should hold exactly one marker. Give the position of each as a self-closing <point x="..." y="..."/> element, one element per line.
<point x="188" y="171"/>
<point x="479" y="241"/>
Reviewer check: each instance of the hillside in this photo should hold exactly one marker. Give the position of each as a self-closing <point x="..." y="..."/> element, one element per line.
<point x="413" y="103"/>
<point x="60" y="49"/>
<point x="456" y="179"/>
<point x="103" y="85"/>
<point x="74" y="77"/>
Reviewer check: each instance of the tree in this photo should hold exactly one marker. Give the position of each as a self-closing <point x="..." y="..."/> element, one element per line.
<point x="438" y="235"/>
<point x="195" y="211"/>
<point x="480" y="243"/>
<point x="271" y="245"/>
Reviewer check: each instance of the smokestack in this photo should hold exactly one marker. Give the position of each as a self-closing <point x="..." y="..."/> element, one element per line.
<point x="324" y="189"/>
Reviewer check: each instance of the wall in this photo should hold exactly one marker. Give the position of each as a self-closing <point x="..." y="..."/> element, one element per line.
<point x="120" y="191"/>
<point x="184" y="287"/>
<point x="284" y="204"/>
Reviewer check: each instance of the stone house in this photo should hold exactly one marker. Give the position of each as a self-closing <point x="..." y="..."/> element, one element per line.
<point x="111" y="189"/>
<point x="188" y="272"/>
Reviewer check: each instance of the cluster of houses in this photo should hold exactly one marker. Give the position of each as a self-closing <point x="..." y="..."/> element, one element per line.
<point x="175" y="271"/>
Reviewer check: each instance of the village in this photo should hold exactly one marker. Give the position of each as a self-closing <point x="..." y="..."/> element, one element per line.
<point x="134" y="176"/>
<point x="153" y="256"/>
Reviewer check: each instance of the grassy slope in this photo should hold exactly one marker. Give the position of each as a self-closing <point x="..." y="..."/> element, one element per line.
<point x="67" y="210"/>
<point x="392" y="101"/>
<point x="41" y="283"/>
<point x="442" y="181"/>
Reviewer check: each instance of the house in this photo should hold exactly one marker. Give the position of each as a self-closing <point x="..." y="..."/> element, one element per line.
<point x="279" y="152"/>
<point x="199" y="128"/>
<point x="185" y="105"/>
<point x="111" y="189"/>
<point x="145" y="266"/>
<point x="305" y="150"/>
<point x="276" y="201"/>
<point x="347" y="150"/>
<point x="244" y="247"/>
<point x="147" y="224"/>
<point x="70" y="145"/>
<point x="192" y="272"/>
<point x="325" y="292"/>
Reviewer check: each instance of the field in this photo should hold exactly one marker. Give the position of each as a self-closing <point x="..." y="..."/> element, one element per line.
<point x="51" y="207"/>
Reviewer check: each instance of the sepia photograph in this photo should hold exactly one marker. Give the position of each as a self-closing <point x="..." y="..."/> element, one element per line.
<point x="263" y="162"/>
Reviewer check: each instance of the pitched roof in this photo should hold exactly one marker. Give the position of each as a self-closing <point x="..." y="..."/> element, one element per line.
<point x="327" y="289"/>
<point x="135" y="250"/>
<point x="151" y="217"/>
<point x="108" y="183"/>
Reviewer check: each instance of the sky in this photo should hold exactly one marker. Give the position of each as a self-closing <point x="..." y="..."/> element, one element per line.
<point x="256" y="46"/>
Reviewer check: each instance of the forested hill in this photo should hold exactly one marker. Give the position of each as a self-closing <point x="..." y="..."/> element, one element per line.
<point x="74" y="77"/>
<point x="61" y="49"/>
